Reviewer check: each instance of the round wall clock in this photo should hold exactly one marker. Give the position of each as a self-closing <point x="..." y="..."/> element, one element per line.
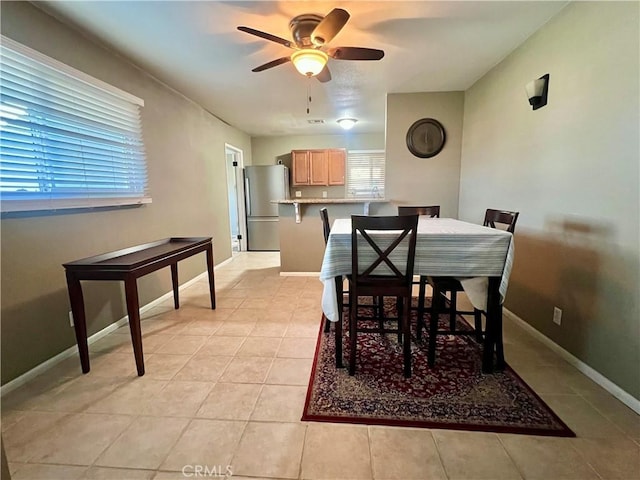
<point x="425" y="138"/>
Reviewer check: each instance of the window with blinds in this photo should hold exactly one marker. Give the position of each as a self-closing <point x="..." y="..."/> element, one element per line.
<point x="365" y="173"/>
<point x="67" y="140"/>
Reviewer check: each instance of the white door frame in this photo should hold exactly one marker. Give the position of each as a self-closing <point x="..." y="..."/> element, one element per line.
<point x="242" y="219"/>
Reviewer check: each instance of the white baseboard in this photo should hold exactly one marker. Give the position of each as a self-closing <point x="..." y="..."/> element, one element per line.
<point x="71" y="351"/>
<point x="299" y="274"/>
<point x="626" y="398"/>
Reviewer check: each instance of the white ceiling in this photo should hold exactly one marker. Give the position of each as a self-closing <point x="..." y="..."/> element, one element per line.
<point x="195" y="48"/>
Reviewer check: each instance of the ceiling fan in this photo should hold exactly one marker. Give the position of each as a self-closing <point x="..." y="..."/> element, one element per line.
<point x="311" y="33"/>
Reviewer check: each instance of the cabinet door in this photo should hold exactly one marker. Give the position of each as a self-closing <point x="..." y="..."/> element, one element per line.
<point x="300" y="166"/>
<point x="336" y="160"/>
<point x="318" y="168"/>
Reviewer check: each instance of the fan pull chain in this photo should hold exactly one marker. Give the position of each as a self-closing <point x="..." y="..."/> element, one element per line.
<point x="308" y="95"/>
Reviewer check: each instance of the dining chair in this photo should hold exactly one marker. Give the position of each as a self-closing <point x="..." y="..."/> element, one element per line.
<point x="382" y="259"/>
<point x="432" y="211"/>
<point x="503" y="219"/>
<point x="326" y="230"/>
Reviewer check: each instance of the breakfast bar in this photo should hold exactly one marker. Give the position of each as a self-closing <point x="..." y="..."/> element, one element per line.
<point x="298" y="202"/>
<point x="300" y="228"/>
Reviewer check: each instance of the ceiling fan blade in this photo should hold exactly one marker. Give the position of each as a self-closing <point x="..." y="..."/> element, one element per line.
<point x="271" y="64"/>
<point x="325" y="75"/>
<point x="355" y="53"/>
<point x="266" y="36"/>
<point x="329" y="26"/>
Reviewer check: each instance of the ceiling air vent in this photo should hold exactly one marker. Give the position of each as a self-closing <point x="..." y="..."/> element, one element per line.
<point x="315" y="121"/>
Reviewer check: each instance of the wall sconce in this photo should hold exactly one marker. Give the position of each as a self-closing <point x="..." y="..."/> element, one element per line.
<point x="347" y="123"/>
<point x="537" y="91"/>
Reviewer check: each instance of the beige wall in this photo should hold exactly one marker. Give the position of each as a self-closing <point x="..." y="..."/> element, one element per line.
<point x="572" y="171"/>
<point x="302" y="244"/>
<point x="185" y="152"/>
<point x="424" y="181"/>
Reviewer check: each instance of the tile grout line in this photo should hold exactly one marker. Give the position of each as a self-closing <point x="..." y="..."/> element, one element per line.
<point x="435" y="444"/>
<point x="371" y="457"/>
<point x="515" y="464"/>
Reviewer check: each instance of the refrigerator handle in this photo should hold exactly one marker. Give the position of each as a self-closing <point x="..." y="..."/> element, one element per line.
<point x="247" y="193"/>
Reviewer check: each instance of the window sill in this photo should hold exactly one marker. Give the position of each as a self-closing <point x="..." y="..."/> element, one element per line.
<point x="18" y="206"/>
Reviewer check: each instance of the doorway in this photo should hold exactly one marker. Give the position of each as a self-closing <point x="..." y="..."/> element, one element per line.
<point x="235" y="195"/>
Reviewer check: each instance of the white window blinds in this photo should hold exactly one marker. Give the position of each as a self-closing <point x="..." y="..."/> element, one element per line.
<point x="365" y="173"/>
<point x="67" y="140"/>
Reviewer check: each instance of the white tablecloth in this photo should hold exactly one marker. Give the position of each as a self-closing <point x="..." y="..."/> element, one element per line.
<point x="444" y="247"/>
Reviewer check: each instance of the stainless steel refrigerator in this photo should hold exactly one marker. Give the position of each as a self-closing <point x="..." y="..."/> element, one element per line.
<point x="262" y="184"/>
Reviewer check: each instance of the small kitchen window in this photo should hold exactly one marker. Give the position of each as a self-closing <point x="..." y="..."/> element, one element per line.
<point x="67" y="140"/>
<point x="365" y="173"/>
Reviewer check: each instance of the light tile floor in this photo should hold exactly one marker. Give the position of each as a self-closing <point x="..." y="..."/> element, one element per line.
<point x="227" y="387"/>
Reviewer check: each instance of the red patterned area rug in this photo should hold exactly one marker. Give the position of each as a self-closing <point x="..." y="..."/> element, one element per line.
<point x="452" y="395"/>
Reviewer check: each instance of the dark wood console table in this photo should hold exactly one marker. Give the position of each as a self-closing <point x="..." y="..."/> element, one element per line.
<point x="128" y="265"/>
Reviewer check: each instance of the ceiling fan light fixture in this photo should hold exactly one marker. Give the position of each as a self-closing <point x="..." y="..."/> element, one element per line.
<point x="347" y="123"/>
<point x="309" y="61"/>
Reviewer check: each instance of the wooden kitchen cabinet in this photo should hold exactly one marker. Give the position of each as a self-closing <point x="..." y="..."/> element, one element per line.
<point x="300" y="167"/>
<point x="318" y="167"/>
<point x="336" y="160"/>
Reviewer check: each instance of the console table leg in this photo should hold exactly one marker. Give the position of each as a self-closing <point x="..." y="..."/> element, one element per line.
<point x="79" y="321"/>
<point x="133" y="310"/>
<point x="212" y="288"/>
<point x="174" y="282"/>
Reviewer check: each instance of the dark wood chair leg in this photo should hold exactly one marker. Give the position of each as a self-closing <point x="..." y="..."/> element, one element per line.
<point x="421" y="300"/>
<point x="338" y="333"/>
<point x="352" y="336"/>
<point x="438" y="301"/>
<point x="327" y="324"/>
<point x="400" y="313"/>
<point x="491" y="331"/>
<point x="339" y="324"/>
<point x="477" y="316"/>
<point x="500" y="363"/>
<point x="406" y="338"/>
<point x="453" y="308"/>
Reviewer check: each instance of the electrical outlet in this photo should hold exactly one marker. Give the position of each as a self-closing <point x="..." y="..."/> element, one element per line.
<point x="298" y="193"/>
<point x="71" y="318"/>
<point x="557" y="316"/>
<point x="324" y="194"/>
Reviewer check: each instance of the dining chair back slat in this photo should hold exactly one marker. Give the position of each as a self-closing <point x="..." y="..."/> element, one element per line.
<point x="447" y="285"/>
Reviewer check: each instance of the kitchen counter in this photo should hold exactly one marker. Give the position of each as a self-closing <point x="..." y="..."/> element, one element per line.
<point x="332" y="200"/>
<point x="296" y="202"/>
<point x="302" y="242"/>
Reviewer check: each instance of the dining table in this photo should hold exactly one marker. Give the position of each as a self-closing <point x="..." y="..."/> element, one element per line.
<point x="479" y="257"/>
